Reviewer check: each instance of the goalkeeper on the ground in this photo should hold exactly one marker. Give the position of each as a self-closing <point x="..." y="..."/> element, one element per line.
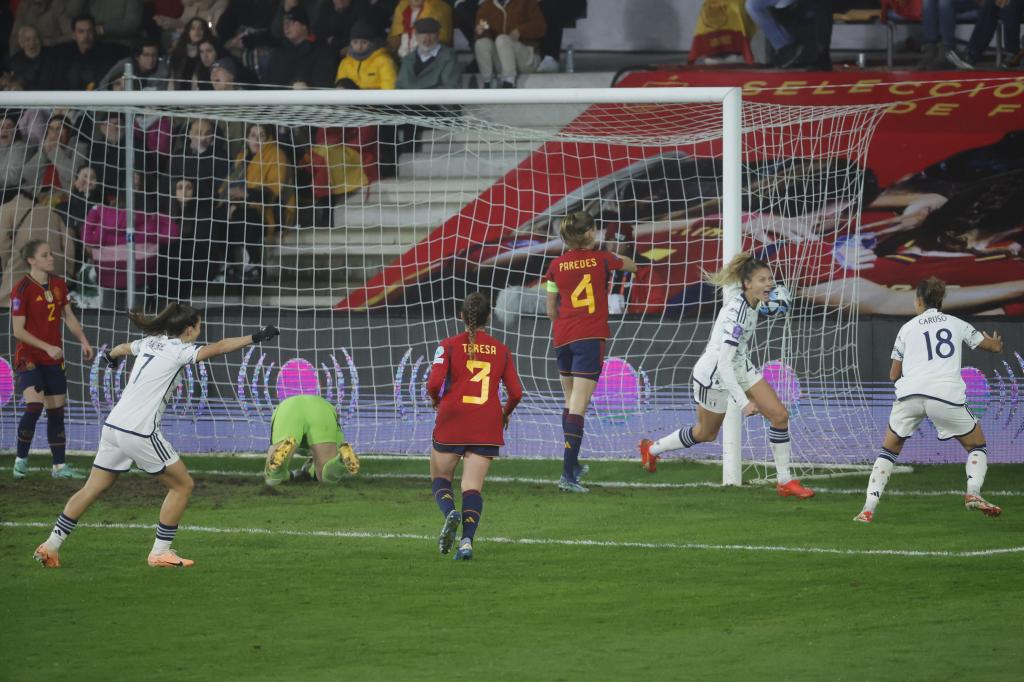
<point x="310" y="423"/>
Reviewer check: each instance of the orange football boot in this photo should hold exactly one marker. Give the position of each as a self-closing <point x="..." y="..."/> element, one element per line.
<point x="794" y="489"/>
<point x="648" y="461"/>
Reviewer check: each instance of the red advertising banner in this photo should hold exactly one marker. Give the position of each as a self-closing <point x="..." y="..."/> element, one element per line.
<point x="943" y="181"/>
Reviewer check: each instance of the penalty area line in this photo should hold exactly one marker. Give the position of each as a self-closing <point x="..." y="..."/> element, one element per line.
<point x="612" y="544"/>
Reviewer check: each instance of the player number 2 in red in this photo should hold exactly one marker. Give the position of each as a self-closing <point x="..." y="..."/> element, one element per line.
<point x="482" y="375"/>
<point x="583" y="295"/>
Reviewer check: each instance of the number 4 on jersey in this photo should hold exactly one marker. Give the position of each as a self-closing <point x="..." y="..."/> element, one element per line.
<point x="583" y="295"/>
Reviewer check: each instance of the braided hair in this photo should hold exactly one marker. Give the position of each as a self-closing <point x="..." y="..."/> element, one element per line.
<point x="476" y="311"/>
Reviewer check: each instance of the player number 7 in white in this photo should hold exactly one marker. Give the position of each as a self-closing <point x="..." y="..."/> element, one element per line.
<point x="149" y="358"/>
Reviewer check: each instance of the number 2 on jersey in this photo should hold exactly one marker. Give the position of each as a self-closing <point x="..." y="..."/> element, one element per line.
<point x="481" y="375"/>
<point x="942" y="340"/>
<point x="583" y="295"/>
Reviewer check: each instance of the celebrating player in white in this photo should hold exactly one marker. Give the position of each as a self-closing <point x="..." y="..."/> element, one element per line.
<point x="131" y="432"/>
<point x="725" y="370"/>
<point x="926" y="368"/>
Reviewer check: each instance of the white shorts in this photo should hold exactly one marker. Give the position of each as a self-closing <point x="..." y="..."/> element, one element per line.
<point x="951" y="421"/>
<point x="717" y="399"/>
<point x="119" y="449"/>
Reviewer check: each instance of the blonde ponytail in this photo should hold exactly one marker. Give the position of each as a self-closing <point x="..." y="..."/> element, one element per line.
<point x="741" y="268"/>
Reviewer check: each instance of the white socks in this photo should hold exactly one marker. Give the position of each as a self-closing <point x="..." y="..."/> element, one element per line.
<point x="977" y="465"/>
<point x="781" y="450"/>
<point x="880" y="473"/>
<point x="683" y="438"/>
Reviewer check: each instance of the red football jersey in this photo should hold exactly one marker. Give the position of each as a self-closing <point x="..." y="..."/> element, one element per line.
<point x="43" y="310"/>
<point x="581" y="276"/>
<point x="470" y="412"/>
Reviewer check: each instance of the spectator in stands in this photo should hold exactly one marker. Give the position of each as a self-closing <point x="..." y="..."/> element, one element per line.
<point x="118" y="21"/>
<point x="508" y="33"/>
<point x="107" y="154"/>
<point x="185" y="61"/>
<point x="464" y="18"/>
<point x="401" y="38"/>
<point x="366" y="66"/>
<point x="183" y="266"/>
<point x="337" y="17"/>
<point x="13" y="155"/>
<point x="244" y="27"/>
<point x="85" y="60"/>
<point x="53" y="166"/>
<point x="32" y="65"/>
<point x="303" y="57"/>
<point x="51" y="18"/>
<point x="311" y="8"/>
<point x="990" y="14"/>
<point x="224" y="74"/>
<point x="788" y="50"/>
<point x="938" y="35"/>
<point x="206" y="11"/>
<point x="430" y="66"/>
<point x="558" y="14"/>
<point x="201" y="160"/>
<point x="149" y="71"/>
<point x="259" y="180"/>
<point x="105" y="233"/>
<point x="23" y="220"/>
<point x="85" y="193"/>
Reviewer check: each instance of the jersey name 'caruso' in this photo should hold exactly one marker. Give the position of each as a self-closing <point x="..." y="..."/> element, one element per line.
<point x="158" y="361"/>
<point x="929" y="347"/>
<point x="734" y="325"/>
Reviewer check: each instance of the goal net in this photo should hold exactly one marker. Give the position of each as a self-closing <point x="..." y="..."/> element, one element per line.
<point x="357" y="222"/>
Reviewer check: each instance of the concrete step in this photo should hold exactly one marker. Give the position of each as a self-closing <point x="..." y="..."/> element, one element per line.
<point x="370" y="216"/>
<point x="455" y="190"/>
<point x="460" y="164"/>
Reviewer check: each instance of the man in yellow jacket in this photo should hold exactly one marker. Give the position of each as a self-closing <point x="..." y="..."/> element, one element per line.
<point x="366" y="66"/>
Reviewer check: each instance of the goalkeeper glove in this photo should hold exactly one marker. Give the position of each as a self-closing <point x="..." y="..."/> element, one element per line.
<point x="265" y="334"/>
<point x="111" y="361"/>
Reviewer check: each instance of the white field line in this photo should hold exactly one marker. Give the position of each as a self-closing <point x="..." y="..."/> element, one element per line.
<point x="635" y="485"/>
<point x="615" y="544"/>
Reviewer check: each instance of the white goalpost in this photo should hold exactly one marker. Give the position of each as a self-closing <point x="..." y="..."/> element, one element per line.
<point x="357" y="220"/>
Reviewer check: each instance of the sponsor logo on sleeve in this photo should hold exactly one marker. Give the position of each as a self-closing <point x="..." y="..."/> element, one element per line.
<point x="439" y="356"/>
<point x="737" y="331"/>
<point x="16" y="304"/>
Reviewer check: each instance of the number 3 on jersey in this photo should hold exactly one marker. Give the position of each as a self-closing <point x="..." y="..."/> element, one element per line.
<point x="583" y="295"/>
<point x="482" y="375"/>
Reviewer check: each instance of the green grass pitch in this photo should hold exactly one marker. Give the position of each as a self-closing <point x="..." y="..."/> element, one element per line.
<point x="630" y="582"/>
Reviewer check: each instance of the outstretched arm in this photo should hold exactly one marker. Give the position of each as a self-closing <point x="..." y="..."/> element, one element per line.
<point x="234" y="343"/>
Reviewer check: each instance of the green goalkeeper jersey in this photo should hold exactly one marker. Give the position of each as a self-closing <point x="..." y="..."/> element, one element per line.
<point x="309" y="419"/>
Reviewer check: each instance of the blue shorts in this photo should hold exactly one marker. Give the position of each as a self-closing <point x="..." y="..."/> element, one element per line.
<point x="581" y="359"/>
<point x="49" y="379"/>
<point x="490" y="451"/>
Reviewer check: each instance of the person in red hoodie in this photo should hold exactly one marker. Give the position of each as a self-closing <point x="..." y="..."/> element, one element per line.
<point x="463" y="386"/>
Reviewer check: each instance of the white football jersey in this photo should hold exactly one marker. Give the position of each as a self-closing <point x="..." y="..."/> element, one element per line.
<point x="734" y="325"/>
<point x="929" y="348"/>
<point x="154" y="377"/>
